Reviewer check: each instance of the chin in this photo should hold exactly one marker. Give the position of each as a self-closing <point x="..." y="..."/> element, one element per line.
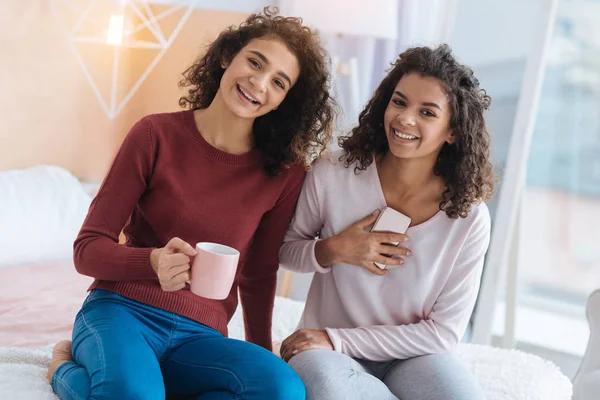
<point x="399" y="151"/>
<point x="243" y="112"/>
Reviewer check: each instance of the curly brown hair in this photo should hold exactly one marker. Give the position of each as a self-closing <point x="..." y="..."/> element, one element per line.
<point x="301" y="127"/>
<point x="465" y="164"/>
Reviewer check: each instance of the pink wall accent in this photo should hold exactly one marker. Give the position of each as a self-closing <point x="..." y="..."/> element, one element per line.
<point x="48" y="111"/>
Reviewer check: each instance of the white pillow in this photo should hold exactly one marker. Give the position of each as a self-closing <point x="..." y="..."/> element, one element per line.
<point x="41" y="211"/>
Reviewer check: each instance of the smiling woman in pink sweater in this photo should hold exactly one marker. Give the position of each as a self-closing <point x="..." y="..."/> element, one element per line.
<point x="422" y="148"/>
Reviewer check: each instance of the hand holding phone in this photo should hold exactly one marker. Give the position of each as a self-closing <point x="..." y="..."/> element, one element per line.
<point x="359" y="245"/>
<point x="390" y="220"/>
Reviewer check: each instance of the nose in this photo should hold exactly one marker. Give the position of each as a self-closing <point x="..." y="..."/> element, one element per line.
<point x="406" y="118"/>
<point x="259" y="81"/>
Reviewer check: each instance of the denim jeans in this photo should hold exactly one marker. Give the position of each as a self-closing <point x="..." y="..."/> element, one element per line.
<point x="123" y="349"/>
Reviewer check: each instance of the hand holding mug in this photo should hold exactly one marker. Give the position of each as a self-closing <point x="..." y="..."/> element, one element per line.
<point x="172" y="264"/>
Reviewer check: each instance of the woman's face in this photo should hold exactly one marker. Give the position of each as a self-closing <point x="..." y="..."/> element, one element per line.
<point x="259" y="77"/>
<point x="417" y="118"/>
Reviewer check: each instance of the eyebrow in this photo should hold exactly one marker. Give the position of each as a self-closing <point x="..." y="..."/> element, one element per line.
<point x="266" y="61"/>
<point x="399" y="93"/>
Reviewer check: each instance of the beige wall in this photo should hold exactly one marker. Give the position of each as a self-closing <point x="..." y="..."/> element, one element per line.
<point x="48" y="111"/>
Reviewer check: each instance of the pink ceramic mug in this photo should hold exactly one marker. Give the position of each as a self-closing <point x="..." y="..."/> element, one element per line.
<point x="213" y="270"/>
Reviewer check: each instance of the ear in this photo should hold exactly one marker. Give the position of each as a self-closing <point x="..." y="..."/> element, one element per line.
<point x="451" y="139"/>
<point x="224" y="63"/>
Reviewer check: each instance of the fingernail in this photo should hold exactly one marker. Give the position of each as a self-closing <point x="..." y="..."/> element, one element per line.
<point x="401" y="261"/>
<point x="405" y="239"/>
<point x="408" y="253"/>
<point x="295" y="352"/>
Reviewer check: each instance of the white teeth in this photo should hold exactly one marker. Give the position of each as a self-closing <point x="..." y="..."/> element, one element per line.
<point x="246" y="95"/>
<point x="403" y="136"/>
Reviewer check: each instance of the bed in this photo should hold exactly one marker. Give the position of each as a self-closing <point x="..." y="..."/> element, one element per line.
<point x="40" y="293"/>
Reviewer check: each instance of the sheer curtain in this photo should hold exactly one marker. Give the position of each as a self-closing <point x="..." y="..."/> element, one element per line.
<point x="418" y="23"/>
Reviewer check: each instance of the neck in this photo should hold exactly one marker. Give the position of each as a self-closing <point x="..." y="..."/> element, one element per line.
<point x="406" y="176"/>
<point x="223" y="129"/>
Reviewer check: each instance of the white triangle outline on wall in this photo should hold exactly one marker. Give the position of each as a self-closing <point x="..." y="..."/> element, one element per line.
<point x="149" y="21"/>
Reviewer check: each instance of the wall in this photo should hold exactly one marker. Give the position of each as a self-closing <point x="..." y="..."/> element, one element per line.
<point x="48" y="112"/>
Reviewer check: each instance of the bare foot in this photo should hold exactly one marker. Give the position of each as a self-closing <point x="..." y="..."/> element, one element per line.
<point x="277" y="349"/>
<point x="60" y="355"/>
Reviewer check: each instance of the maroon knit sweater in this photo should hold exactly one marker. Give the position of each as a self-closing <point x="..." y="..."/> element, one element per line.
<point x="167" y="181"/>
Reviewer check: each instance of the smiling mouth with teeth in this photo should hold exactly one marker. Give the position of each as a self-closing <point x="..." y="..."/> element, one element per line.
<point x="404" y="136"/>
<point x="247" y="95"/>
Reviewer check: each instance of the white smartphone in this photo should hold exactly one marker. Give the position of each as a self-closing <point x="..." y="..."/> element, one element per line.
<point x="390" y="220"/>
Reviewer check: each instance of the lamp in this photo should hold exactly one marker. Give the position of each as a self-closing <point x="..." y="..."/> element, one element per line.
<point x="115" y="24"/>
<point x="372" y="19"/>
<point x="115" y="30"/>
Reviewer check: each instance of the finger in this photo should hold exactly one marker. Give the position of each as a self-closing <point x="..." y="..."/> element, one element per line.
<point x="390" y="261"/>
<point x="390" y="237"/>
<point x="283" y="352"/>
<point x="302" y="347"/>
<point x="181" y="278"/>
<point x="290" y="339"/>
<point x="177" y="245"/>
<point x="178" y="287"/>
<point x="289" y="343"/>
<point x="177" y="259"/>
<point x="290" y="351"/>
<point x="371" y="267"/>
<point x="173" y="288"/>
<point x="166" y="275"/>
<point x="286" y="351"/>
<point x="368" y="220"/>
<point x="391" y="250"/>
<point x="174" y="271"/>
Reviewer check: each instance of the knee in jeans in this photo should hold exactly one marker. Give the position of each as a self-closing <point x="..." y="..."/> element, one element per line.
<point x="123" y="388"/>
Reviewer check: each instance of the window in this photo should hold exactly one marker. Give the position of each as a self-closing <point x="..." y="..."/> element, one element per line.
<point x="559" y="249"/>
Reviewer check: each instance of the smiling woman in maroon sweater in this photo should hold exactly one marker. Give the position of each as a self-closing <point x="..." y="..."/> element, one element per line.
<point x="228" y="170"/>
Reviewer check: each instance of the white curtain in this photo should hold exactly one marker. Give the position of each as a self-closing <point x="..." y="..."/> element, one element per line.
<point x="419" y="23"/>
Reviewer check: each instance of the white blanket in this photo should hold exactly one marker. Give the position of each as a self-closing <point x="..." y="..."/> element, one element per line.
<point x="503" y="374"/>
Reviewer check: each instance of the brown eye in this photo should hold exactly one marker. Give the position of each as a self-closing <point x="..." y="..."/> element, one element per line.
<point x="279" y="83"/>
<point x="254" y="63"/>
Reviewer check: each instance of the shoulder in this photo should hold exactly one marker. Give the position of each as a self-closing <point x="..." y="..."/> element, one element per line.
<point x="165" y="121"/>
<point x="290" y="179"/>
<point x="480" y="215"/>
<point x="479" y="223"/>
<point x="154" y="126"/>
<point x="295" y="173"/>
<point x="332" y="165"/>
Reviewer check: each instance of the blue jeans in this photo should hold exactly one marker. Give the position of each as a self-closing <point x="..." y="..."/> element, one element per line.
<point x="123" y="349"/>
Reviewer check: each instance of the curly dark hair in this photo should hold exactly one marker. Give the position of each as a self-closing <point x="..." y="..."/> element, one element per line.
<point x="301" y="127"/>
<point x="465" y="164"/>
